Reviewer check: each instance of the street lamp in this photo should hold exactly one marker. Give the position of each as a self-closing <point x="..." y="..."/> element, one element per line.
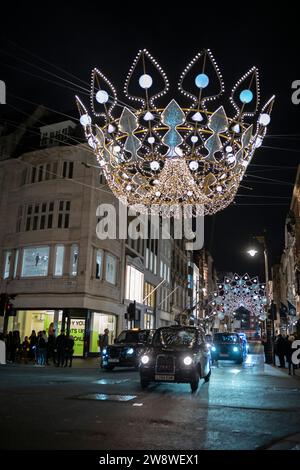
<point x="252" y="252"/>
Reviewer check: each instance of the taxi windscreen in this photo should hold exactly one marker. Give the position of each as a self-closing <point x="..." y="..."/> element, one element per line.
<point x="171" y="337"/>
<point x="225" y="338"/>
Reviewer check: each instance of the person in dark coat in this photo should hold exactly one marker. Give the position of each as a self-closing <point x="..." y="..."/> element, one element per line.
<point x="289" y="352"/>
<point x="60" y="346"/>
<point x="280" y="349"/>
<point x="69" y="350"/>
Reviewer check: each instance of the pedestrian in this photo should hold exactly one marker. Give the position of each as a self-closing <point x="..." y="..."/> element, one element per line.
<point x="60" y="346"/>
<point x="280" y="349"/>
<point x="265" y="345"/>
<point x="69" y="350"/>
<point x="51" y="344"/>
<point x="289" y="353"/>
<point x="33" y="344"/>
<point x="103" y="342"/>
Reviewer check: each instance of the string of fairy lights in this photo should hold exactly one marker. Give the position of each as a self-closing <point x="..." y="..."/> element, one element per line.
<point x="74" y="81"/>
<point x="174" y="156"/>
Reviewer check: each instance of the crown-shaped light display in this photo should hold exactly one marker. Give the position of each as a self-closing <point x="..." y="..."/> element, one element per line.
<point x="239" y="291"/>
<point x="161" y="156"/>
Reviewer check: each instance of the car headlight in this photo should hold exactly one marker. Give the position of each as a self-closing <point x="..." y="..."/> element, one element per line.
<point x="213" y="348"/>
<point x="145" y="359"/>
<point x="235" y="349"/>
<point x="130" y="351"/>
<point x="104" y="351"/>
<point x="187" y="360"/>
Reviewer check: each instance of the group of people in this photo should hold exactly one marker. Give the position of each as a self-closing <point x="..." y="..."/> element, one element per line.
<point x="283" y="349"/>
<point x="40" y="348"/>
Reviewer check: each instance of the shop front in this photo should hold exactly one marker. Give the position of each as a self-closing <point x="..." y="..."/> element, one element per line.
<point x="84" y="325"/>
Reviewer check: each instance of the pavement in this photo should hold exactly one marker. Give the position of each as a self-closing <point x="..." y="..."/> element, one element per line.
<point x="243" y="407"/>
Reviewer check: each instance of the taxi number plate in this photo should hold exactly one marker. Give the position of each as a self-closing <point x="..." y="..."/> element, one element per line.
<point x="224" y="355"/>
<point x="113" y="360"/>
<point x="164" y="377"/>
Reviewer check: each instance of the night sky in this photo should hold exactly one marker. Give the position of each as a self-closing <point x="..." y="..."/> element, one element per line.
<point x="78" y="38"/>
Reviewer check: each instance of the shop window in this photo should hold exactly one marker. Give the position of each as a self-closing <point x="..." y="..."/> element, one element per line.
<point x="99" y="257"/>
<point x="16" y="263"/>
<point x="74" y="260"/>
<point x="111" y="269"/>
<point x="134" y="284"/>
<point x="100" y="322"/>
<point x="35" y="261"/>
<point x="59" y="260"/>
<point x="7" y="264"/>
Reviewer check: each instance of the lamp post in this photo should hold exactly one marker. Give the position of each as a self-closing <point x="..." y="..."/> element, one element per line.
<point x="268" y="324"/>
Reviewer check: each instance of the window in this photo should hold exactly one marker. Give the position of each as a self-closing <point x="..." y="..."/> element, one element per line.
<point x="59" y="260"/>
<point x="68" y="169"/>
<point x="110" y="269"/>
<point x="74" y="260"/>
<point x="33" y="173"/>
<point x="16" y="263"/>
<point x="39" y="216"/>
<point x="99" y="256"/>
<point x="35" y="261"/>
<point x="134" y="284"/>
<point x="40" y="173"/>
<point x="7" y="264"/>
<point x="149" y="295"/>
<point x="63" y="214"/>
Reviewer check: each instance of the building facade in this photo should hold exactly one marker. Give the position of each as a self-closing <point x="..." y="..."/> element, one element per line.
<point x="55" y="265"/>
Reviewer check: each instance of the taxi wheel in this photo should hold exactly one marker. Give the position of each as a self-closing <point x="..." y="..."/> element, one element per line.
<point x="144" y="383"/>
<point x="194" y="383"/>
<point x="240" y="361"/>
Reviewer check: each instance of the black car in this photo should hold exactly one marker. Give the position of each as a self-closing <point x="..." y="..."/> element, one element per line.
<point x="176" y="354"/>
<point x="228" y="346"/>
<point x="126" y="350"/>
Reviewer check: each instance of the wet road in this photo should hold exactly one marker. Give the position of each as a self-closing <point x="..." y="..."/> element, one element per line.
<point x="243" y="407"/>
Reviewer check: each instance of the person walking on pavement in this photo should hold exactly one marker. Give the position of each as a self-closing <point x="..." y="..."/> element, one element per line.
<point x="289" y="352"/>
<point x="103" y="342"/>
<point x="60" y="346"/>
<point x="69" y="350"/>
<point x="265" y="345"/>
<point x="280" y="349"/>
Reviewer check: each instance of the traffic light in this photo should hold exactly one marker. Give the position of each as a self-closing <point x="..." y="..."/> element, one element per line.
<point x="130" y="311"/>
<point x="3" y="302"/>
<point x="6" y="307"/>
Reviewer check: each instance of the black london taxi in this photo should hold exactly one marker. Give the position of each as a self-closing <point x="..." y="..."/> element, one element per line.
<point x="126" y="350"/>
<point x="228" y="346"/>
<point x="176" y="354"/>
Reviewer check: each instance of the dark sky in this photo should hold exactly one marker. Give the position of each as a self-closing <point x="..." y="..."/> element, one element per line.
<point x="77" y="38"/>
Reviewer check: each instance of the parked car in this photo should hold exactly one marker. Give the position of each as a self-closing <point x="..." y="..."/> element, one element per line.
<point x="176" y="354"/>
<point x="126" y="350"/>
<point x="228" y="346"/>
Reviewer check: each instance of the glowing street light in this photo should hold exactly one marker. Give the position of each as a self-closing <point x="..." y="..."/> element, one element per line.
<point x="252" y="252"/>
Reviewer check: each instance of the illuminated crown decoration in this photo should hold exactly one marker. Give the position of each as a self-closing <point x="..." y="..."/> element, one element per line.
<point x="173" y="155"/>
<point x="239" y="291"/>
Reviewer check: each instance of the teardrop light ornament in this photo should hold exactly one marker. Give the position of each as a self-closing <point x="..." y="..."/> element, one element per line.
<point x="140" y="80"/>
<point x="103" y="95"/>
<point x="245" y="94"/>
<point x="200" y="78"/>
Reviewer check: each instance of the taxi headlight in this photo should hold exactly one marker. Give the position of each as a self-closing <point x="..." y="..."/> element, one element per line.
<point x="235" y="349"/>
<point x="104" y="351"/>
<point x="130" y="351"/>
<point x="213" y="348"/>
<point x="187" y="360"/>
<point x="145" y="359"/>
